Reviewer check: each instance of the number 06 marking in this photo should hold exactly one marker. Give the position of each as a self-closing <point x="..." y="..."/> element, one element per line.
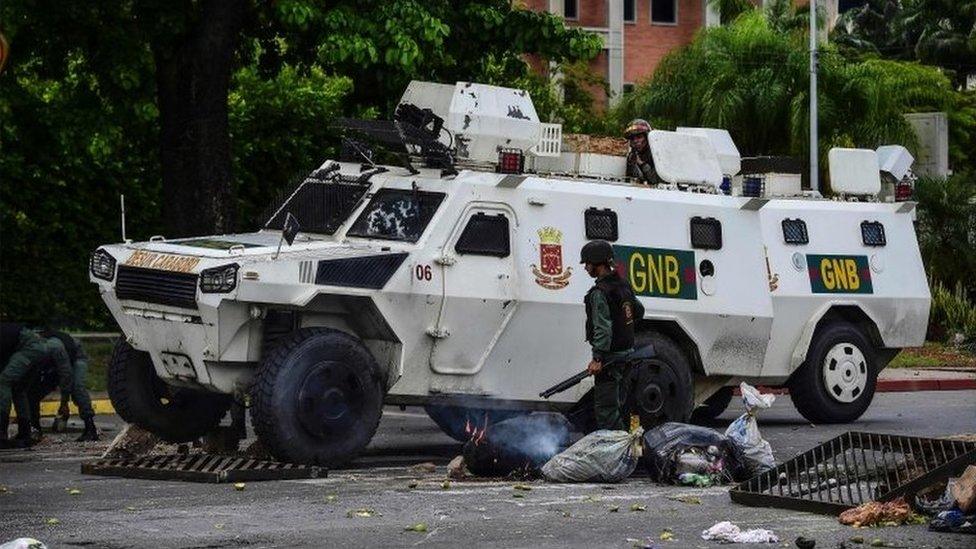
<point x="423" y="272"/>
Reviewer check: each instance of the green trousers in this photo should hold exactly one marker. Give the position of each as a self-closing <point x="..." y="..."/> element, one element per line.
<point x="30" y="347"/>
<point x="610" y="389"/>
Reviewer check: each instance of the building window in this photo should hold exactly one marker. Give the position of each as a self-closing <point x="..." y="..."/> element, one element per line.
<point x="664" y="12"/>
<point x="571" y="9"/>
<point x="630" y="11"/>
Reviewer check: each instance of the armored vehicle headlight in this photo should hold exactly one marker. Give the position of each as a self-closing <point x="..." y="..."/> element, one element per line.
<point x="219" y="279"/>
<point x="102" y="265"/>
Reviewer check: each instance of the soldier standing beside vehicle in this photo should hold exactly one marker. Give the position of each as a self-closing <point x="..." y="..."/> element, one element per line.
<point x="66" y="357"/>
<point x="640" y="163"/>
<point x="611" y="309"/>
<point x="20" y="350"/>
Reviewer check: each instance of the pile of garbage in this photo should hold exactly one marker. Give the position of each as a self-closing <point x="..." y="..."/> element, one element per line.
<point x="537" y="445"/>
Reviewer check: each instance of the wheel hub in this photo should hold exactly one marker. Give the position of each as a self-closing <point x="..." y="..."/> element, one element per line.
<point x="657" y="393"/>
<point x="845" y="372"/>
<point x="330" y="399"/>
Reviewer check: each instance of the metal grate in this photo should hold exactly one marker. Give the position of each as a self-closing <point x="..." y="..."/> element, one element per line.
<point x="600" y="224"/>
<point x="795" y="231"/>
<point x="319" y="207"/>
<point x="201" y="468"/>
<point x="872" y="233"/>
<point x="485" y="235"/>
<point x="856" y="468"/>
<point x="706" y="233"/>
<point x="359" y="272"/>
<point x="156" y="286"/>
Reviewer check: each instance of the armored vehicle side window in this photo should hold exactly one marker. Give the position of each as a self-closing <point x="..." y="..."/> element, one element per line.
<point x="600" y="224"/>
<point x="395" y="214"/>
<point x="319" y="207"/>
<point x="485" y="235"/>
<point x="872" y="233"/>
<point x="706" y="233"/>
<point x="795" y="231"/>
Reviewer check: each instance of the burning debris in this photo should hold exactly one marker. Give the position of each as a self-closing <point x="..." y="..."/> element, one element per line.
<point x="516" y="447"/>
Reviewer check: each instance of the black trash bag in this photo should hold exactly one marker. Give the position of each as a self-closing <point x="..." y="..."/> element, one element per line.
<point x="670" y="447"/>
<point x="519" y="446"/>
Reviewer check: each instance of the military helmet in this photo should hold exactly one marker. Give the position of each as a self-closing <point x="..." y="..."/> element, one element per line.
<point x="596" y="252"/>
<point x="637" y="126"/>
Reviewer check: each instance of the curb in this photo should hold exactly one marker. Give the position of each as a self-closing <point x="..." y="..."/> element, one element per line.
<point x="49" y="408"/>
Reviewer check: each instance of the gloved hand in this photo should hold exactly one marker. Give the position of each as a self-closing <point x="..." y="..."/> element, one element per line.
<point x="60" y="424"/>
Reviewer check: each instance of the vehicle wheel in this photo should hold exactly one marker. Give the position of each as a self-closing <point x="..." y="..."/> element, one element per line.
<point x="317" y="398"/>
<point x="662" y="388"/>
<point x="140" y="397"/>
<point x="713" y="406"/>
<point x="836" y="382"/>
<point x="457" y="422"/>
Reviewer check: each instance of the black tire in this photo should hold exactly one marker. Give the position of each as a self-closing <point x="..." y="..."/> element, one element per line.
<point x="454" y="420"/>
<point x="662" y="388"/>
<point x="713" y="406"/>
<point x="820" y="401"/>
<point x="140" y="397"/>
<point x="317" y="398"/>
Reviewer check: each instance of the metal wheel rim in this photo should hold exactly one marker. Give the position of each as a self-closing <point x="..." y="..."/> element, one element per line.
<point x="330" y="399"/>
<point x="845" y="372"/>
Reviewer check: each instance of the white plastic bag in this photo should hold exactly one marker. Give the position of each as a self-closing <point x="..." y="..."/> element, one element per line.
<point x="727" y="532"/>
<point x="601" y="456"/>
<point x="757" y="454"/>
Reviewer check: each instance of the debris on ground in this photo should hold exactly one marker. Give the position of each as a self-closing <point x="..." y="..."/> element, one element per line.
<point x="695" y="479"/>
<point x="691" y="500"/>
<point x="420" y="527"/>
<point x="239" y="486"/>
<point x="446" y="485"/>
<point x="577" y="142"/>
<point x="72" y="491"/>
<point x="805" y="543"/>
<point x="361" y="512"/>
<point x="727" y="532"/>
<point x="673" y="449"/>
<point x="331" y="498"/>
<point x="755" y="452"/>
<point x="647" y="543"/>
<point x="638" y="507"/>
<point x="426" y="467"/>
<point x="601" y="456"/>
<point x="876" y="513"/>
<point x="457" y="470"/>
<point x="964" y="490"/>
<point x="23" y="543"/>
<point x="131" y="442"/>
<point x="666" y="535"/>
<point x="523" y="487"/>
<point x="953" y="521"/>
<point x="517" y="447"/>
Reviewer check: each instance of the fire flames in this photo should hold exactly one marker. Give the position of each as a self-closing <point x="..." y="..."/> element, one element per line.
<point x="474" y="433"/>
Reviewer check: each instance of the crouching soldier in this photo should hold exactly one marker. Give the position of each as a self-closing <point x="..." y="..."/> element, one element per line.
<point x="611" y="309"/>
<point x="66" y="358"/>
<point x="20" y="349"/>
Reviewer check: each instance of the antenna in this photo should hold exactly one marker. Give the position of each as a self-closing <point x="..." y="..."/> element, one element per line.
<point x="814" y="149"/>
<point x="122" y="205"/>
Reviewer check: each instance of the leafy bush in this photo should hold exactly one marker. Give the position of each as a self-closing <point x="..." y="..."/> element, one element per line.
<point x="947" y="229"/>
<point x="952" y="313"/>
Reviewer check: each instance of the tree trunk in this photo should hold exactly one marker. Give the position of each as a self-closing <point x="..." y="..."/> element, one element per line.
<point x="192" y="79"/>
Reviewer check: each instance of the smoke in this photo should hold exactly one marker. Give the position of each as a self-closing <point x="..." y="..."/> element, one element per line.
<point x="521" y="445"/>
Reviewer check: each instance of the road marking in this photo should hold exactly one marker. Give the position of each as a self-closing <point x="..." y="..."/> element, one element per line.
<point x="49" y="408"/>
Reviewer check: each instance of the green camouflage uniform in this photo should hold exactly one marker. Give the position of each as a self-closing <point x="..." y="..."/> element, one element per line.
<point x="30" y="348"/>
<point x="71" y="375"/>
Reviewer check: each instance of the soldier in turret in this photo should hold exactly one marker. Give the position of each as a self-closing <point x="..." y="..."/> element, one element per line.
<point x="640" y="163"/>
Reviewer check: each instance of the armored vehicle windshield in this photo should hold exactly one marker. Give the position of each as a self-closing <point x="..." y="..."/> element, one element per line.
<point x="396" y="214"/>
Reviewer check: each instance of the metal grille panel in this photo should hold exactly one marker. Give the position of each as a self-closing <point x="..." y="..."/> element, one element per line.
<point x="856" y="468"/>
<point x="601" y="224"/>
<point x="485" y="235"/>
<point x="201" y="468"/>
<point x="872" y="233"/>
<point x="359" y="272"/>
<point x="795" y="231"/>
<point x="156" y="286"/>
<point x="706" y="233"/>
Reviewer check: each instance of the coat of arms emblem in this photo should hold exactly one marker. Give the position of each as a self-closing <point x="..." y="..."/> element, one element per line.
<point x="550" y="273"/>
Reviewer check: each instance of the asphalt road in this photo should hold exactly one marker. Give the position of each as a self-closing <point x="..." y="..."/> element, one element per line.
<point x="110" y="512"/>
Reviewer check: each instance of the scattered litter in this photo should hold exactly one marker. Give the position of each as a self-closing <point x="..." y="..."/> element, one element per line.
<point x="857" y="539"/>
<point x="691" y="500"/>
<point x="516" y="447"/>
<point x="219" y="526"/>
<point x="419" y="527"/>
<point x="964" y="490"/>
<point x="518" y="495"/>
<point x="413" y="484"/>
<point x="523" y="487"/>
<point x="934" y="506"/>
<point x="666" y="535"/>
<point x="53" y="522"/>
<point x="130" y="508"/>
<point x="756" y="453"/>
<point x="446" y="485"/>
<point x="457" y="470"/>
<point x="3" y="490"/>
<point x="672" y="449"/>
<point x="362" y="512"/>
<point x="425" y="467"/>
<point x="876" y="542"/>
<point x="642" y="543"/>
<point x="613" y="509"/>
<point x="73" y="491"/>
<point x="638" y="507"/>
<point x="23" y="543"/>
<point x="331" y="498"/>
<point x="601" y="456"/>
<point x="953" y="521"/>
<point x="875" y="513"/>
<point x="727" y="532"/>
<point x="805" y="543"/>
<point x="239" y="486"/>
<point x="695" y="479"/>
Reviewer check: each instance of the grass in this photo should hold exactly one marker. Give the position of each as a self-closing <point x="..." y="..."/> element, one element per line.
<point x="99" y="352"/>
<point x="933" y="355"/>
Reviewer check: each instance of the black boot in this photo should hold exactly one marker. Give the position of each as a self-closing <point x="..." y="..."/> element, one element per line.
<point x="23" y="437"/>
<point x="90" y="434"/>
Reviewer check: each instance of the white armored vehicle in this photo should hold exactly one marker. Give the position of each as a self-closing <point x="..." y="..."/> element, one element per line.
<point x="448" y="278"/>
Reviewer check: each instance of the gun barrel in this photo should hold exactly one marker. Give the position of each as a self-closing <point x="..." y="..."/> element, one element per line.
<point x="565" y="384"/>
